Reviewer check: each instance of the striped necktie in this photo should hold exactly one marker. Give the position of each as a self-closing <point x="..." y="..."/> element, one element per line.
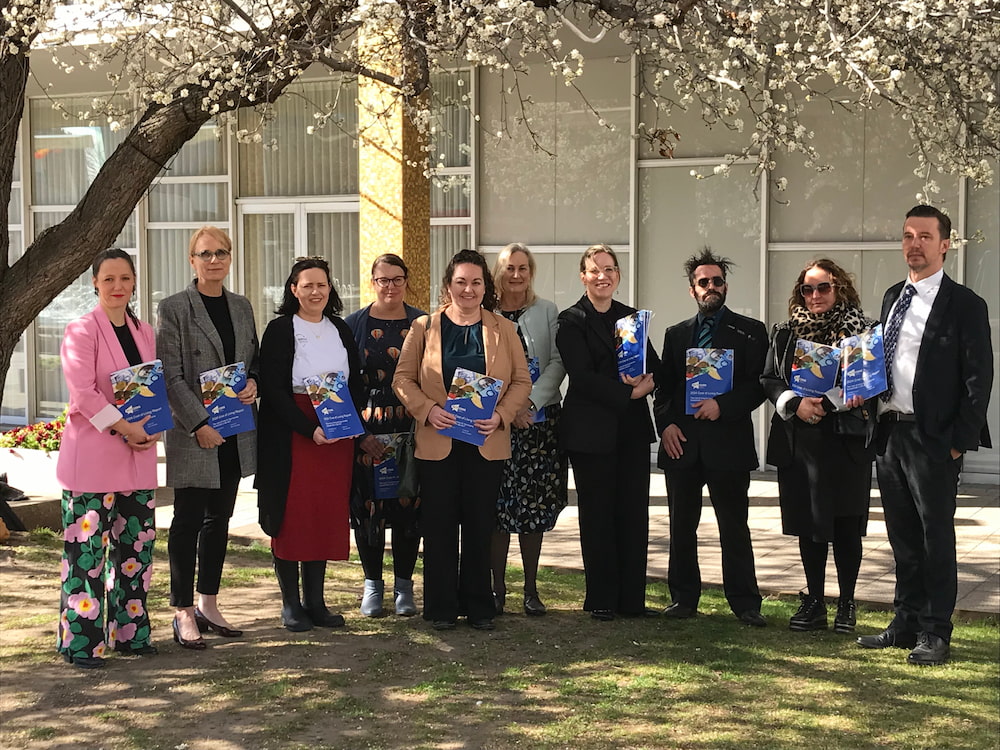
<point x="705" y="334"/>
<point x="892" y="335"/>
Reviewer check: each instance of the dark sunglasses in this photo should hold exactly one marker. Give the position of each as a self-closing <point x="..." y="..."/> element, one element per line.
<point x="716" y="281"/>
<point x="824" y="287"/>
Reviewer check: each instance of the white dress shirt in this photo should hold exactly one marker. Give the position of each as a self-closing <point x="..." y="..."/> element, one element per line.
<point x="911" y="334"/>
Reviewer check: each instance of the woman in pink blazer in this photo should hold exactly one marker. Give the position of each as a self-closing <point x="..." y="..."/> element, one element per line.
<point x="108" y="473"/>
<point x="459" y="481"/>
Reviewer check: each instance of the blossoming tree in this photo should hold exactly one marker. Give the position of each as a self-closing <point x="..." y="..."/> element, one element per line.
<point x="748" y="65"/>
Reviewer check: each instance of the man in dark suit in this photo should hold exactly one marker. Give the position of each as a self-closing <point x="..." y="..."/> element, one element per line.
<point x="939" y="367"/>
<point x="714" y="446"/>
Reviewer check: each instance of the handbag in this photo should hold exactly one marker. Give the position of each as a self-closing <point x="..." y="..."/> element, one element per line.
<point x="406" y="462"/>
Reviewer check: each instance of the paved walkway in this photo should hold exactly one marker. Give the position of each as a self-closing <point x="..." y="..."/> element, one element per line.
<point x="977" y="527"/>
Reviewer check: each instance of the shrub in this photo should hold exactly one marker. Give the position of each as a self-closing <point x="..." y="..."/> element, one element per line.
<point x="45" y="436"/>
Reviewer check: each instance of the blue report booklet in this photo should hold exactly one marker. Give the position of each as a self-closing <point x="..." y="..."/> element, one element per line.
<point x="814" y="368"/>
<point x="331" y="398"/>
<point x="141" y="390"/>
<point x="219" y="389"/>
<point x="471" y="396"/>
<point x="631" y="335"/>
<point x="535" y="371"/>
<point x="385" y="473"/>
<point x="708" y="373"/>
<point x="863" y="361"/>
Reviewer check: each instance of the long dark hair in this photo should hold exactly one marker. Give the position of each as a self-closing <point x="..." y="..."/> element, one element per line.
<point x="116" y="253"/>
<point x="843" y="284"/>
<point x="290" y="305"/>
<point x="469" y="256"/>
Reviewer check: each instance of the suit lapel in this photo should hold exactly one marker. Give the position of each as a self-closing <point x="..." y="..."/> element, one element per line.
<point x="109" y="339"/>
<point x="201" y="318"/>
<point x="491" y="338"/>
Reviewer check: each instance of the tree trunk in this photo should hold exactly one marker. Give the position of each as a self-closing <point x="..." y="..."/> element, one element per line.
<point x="13" y="78"/>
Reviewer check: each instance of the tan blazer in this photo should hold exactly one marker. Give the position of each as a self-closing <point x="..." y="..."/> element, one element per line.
<point x="420" y="385"/>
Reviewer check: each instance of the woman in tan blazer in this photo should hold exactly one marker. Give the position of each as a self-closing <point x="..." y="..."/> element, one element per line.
<point x="459" y="480"/>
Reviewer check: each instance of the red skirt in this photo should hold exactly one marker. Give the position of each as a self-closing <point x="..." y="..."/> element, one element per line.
<point x="317" y="523"/>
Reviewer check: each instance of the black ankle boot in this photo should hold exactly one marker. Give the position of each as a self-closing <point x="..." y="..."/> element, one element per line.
<point x="293" y="616"/>
<point x="313" y="579"/>
<point x="846" y="617"/>
<point x="811" y="614"/>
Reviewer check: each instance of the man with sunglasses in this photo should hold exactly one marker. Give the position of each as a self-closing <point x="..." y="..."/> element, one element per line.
<point x="714" y="446"/>
<point x="939" y="370"/>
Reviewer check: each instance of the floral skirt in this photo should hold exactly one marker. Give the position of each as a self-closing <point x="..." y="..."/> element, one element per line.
<point x="533" y="489"/>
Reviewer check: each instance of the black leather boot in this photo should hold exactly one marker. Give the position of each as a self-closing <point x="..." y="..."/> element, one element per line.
<point x="313" y="580"/>
<point x="293" y="615"/>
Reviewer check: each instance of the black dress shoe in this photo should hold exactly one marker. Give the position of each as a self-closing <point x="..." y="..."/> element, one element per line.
<point x="533" y="605"/>
<point x="604" y="615"/>
<point x="486" y="624"/>
<point x="753" y="618"/>
<point x="148" y="650"/>
<point x="888" y="638"/>
<point x="195" y="645"/>
<point x="205" y="625"/>
<point x="498" y="603"/>
<point x="931" y="651"/>
<point x="444" y="625"/>
<point x="84" y="662"/>
<point x="678" y="611"/>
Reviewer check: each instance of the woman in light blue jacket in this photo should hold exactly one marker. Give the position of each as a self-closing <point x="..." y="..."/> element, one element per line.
<point x="533" y="491"/>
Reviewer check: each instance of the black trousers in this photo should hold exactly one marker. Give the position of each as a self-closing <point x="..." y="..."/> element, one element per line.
<point x="200" y="531"/>
<point x="613" y="500"/>
<point x="459" y="496"/>
<point x="728" y="492"/>
<point x="918" y="497"/>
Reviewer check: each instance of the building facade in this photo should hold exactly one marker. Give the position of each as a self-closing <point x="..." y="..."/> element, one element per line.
<point x="575" y="179"/>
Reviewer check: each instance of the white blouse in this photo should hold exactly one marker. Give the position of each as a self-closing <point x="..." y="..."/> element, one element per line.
<point x="318" y="350"/>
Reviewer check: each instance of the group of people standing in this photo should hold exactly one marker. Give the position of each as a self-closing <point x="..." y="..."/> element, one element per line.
<point x="399" y="363"/>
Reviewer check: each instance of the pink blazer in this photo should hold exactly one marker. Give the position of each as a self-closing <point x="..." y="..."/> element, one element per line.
<point x="91" y="459"/>
<point x="418" y="382"/>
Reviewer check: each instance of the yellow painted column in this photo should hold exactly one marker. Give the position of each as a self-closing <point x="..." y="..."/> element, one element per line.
<point x="395" y="193"/>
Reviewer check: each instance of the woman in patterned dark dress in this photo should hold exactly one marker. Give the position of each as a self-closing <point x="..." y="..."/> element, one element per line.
<point x="379" y="330"/>
<point x="533" y="490"/>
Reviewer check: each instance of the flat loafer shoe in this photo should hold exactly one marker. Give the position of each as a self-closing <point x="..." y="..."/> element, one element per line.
<point x="204" y="625"/>
<point x="148" y="650"/>
<point x="678" y="611"/>
<point x="888" y="638"/>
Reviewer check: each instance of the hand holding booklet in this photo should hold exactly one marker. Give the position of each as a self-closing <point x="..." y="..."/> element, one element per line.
<point x="331" y="398"/>
<point x="863" y="361"/>
<point x="220" y="387"/>
<point x="141" y="391"/>
<point x="472" y="396"/>
<point x="631" y="335"/>
<point x="708" y="373"/>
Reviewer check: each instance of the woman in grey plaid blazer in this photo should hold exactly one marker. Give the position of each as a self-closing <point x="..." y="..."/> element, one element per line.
<point x="202" y="328"/>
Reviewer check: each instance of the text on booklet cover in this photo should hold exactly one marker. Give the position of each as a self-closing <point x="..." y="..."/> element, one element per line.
<point x="863" y="361"/>
<point x="472" y="396"/>
<point x="385" y="471"/>
<point x="141" y="391"/>
<point x="814" y="368"/>
<point x="219" y="389"/>
<point x="707" y="373"/>
<point x="631" y="335"/>
<point x="331" y="398"/>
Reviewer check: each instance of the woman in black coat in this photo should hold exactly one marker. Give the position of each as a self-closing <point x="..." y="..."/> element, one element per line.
<point x="304" y="478"/>
<point x="606" y="430"/>
<point x="824" y="474"/>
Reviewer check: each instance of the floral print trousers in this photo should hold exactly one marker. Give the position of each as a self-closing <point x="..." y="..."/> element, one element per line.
<point x="106" y="565"/>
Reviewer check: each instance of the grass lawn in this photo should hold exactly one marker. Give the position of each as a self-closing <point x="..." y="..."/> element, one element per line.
<point x="560" y="681"/>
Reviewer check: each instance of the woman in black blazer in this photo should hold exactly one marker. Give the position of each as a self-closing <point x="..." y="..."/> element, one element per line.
<point x="606" y="430"/>
<point x="304" y="478"/>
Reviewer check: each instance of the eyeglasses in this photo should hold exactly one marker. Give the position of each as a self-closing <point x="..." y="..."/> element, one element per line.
<point x="210" y="255"/>
<point x="716" y="281"/>
<point x="607" y="271"/>
<point x="824" y="287"/>
<point x="385" y="281"/>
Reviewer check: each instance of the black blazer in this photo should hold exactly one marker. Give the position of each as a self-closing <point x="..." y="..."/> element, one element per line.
<point x="279" y="416"/>
<point x="951" y="389"/>
<point x="598" y="410"/>
<point x="730" y="437"/>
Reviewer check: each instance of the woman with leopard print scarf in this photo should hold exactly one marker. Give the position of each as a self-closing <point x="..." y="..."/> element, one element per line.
<point x="823" y="453"/>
